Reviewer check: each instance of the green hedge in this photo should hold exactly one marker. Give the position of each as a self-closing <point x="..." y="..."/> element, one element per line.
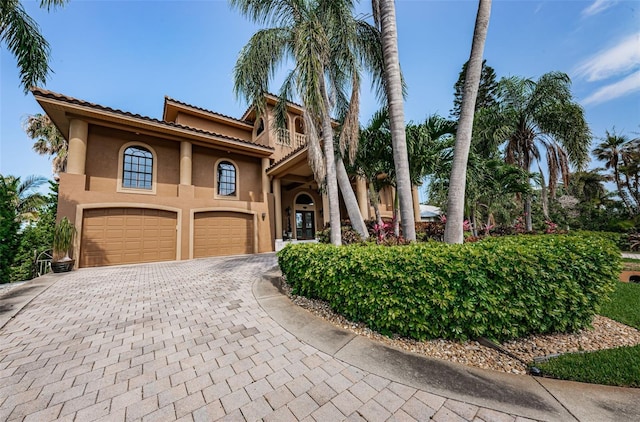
<point x="499" y="288"/>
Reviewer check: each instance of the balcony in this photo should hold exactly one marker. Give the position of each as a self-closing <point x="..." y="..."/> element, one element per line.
<point x="300" y="139"/>
<point x="283" y="137"/>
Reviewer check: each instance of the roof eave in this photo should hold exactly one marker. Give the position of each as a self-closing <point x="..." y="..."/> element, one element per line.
<point x="61" y="111"/>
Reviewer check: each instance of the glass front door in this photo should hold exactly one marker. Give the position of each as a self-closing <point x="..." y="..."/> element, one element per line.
<point x="305" y="225"/>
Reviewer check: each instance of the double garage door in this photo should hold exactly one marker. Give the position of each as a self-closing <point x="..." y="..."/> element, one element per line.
<point x="114" y="236"/>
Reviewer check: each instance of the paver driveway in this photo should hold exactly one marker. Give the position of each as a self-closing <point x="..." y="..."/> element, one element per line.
<point x="185" y="341"/>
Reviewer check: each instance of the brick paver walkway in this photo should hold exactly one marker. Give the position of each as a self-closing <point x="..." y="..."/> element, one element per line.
<point x="186" y="341"/>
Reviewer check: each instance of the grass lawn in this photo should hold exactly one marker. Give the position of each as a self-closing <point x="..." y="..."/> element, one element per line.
<point x="619" y="367"/>
<point x="625" y="305"/>
<point x="614" y="366"/>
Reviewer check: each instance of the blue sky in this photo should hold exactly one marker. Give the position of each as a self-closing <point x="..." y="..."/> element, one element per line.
<point x="130" y="54"/>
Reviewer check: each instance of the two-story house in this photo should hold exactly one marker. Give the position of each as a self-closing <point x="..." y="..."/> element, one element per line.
<point x="193" y="184"/>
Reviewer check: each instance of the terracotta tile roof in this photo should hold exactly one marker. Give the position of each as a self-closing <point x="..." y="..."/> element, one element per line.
<point x="56" y="96"/>
<point x="206" y="110"/>
<point x="275" y="97"/>
<point x="286" y="157"/>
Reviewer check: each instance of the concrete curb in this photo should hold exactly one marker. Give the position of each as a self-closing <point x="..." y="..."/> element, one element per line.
<point x="526" y="396"/>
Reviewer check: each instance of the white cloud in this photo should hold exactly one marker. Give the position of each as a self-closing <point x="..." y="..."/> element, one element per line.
<point x="626" y="86"/>
<point x="598" y="6"/>
<point x="619" y="59"/>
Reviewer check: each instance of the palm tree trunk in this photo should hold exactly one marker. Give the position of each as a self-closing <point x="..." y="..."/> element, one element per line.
<point x="621" y="193"/>
<point x="544" y="193"/>
<point x="474" y="225"/>
<point x="389" y="36"/>
<point x="331" y="178"/>
<point x="350" y="201"/>
<point x="528" y="222"/>
<point x="457" y="181"/>
<point x="396" y="214"/>
<point x="373" y="197"/>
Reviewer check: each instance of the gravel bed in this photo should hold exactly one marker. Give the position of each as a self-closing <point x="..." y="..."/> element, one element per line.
<point x="605" y="334"/>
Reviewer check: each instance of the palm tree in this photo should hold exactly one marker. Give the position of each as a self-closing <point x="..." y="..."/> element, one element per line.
<point x="21" y="35"/>
<point x="384" y="14"/>
<point x="453" y="232"/>
<point x="19" y="203"/>
<point x="374" y="158"/>
<point x="24" y="198"/>
<point x="538" y="115"/>
<point x="613" y="151"/>
<point x="588" y="186"/>
<point x="48" y="141"/>
<point x="329" y="47"/>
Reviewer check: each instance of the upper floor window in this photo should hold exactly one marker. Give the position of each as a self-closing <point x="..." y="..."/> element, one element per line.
<point x="226" y="177"/>
<point x="137" y="168"/>
<point x="260" y="127"/>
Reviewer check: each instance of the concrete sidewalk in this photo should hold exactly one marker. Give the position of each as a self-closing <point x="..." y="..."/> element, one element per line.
<point x="214" y="339"/>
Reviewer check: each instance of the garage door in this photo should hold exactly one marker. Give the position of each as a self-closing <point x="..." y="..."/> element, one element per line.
<point x="113" y="236"/>
<point x="222" y="233"/>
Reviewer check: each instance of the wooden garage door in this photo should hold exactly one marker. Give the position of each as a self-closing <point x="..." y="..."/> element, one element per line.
<point x="219" y="233"/>
<point x="112" y="236"/>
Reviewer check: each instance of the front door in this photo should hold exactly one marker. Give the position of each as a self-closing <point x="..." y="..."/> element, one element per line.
<point x="305" y="225"/>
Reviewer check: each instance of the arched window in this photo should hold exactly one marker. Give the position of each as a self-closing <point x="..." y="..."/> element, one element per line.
<point x="260" y="127"/>
<point x="226" y="178"/>
<point x="137" y="168"/>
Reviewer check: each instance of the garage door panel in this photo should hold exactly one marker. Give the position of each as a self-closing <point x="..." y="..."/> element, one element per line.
<point x="219" y="233"/>
<point x="115" y="236"/>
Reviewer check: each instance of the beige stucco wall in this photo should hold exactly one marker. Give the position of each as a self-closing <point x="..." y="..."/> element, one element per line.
<point x="103" y="148"/>
<point x="213" y="126"/>
<point x="249" y="176"/>
<point x="99" y="187"/>
<point x="288" y="200"/>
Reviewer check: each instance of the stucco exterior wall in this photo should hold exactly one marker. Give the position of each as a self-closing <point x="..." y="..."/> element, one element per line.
<point x="249" y="177"/>
<point x="99" y="187"/>
<point x="213" y="126"/>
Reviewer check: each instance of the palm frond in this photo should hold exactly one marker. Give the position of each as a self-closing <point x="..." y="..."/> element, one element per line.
<point x="23" y="39"/>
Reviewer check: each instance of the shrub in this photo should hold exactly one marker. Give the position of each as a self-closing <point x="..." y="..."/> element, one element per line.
<point x="429" y="230"/>
<point x="499" y="288"/>
<point x="349" y="235"/>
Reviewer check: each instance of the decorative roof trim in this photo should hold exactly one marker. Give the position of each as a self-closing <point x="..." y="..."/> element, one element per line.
<point x="45" y="94"/>
<point x="245" y="123"/>
<point x="296" y="152"/>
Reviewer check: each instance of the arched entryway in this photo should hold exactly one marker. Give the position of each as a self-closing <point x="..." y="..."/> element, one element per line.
<point x="305" y="217"/>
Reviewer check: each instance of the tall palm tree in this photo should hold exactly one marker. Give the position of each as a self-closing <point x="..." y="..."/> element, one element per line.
<point x="21" y="35"/>
<point x="384" y="13"/>
<point x="534" y="116"/>
<point x="373" y="157"/>
<point x="611" y="150"/>
<point x="329" y="47"/>
<point x="453" y="232"/>
<point x="631" y="170"/>
<point x="48" y="141"/>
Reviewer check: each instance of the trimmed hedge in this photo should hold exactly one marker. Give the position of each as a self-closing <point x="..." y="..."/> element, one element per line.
<point x="500" y="288"/>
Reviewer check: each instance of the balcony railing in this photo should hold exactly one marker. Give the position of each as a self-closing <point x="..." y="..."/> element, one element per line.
<point x="300" y="139"/>
<point x="283" y="137"/>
